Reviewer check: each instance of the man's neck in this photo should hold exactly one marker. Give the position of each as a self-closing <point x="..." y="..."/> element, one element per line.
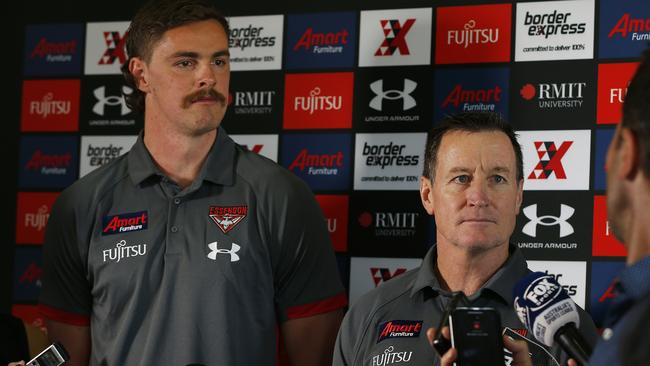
<point x="637" y="238"/>
<point x="179" y="156"/>
<point x="459" y="269"/>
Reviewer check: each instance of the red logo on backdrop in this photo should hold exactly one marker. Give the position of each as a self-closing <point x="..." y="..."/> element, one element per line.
<point x="384" y="274"/>
<point x="32" y="274"/>
<point x="604" y="244"/>
<point x="50" y="105"/>
<point x="471" y="34"/>
<point x="227" y="218"/>
<point x="626" y="25"/>
<point x="394" y="37"/>
<point x="612" y="87"/>
<point x="550" y="160"/>
<point x="30" y="315"/>
<point x="458" y="95"/>
<point x="335" y="209"/>
<point x="115" y="48"/>
<point x="45" y="48"/>
<point x="255" y="148"/>
<point x="318" y="100"/>
<point x="32" y="215"/>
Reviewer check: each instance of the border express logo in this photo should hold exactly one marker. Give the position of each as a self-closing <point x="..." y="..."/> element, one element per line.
<point x="624" y="28"/>
<point x="395" y="37"/>
<point x="101" y="150"/>
<point x="388" y="161"/>
<point x="613" y="80"/>
<point x="322" y="40"/>
<point x="571" y="275"/>
<point x="604" y="243"/>
<point x="53" y="49"/>
<point x="318" y="100"/>
<point x="473" y="34"/>
<point x="105" y="47"/>
<point x="256" y="42"/>
<point x="48" y="161"/>
<point x="227" y="217"/>
<point x="33" y="212"/>
<point x="50" y="105"/>
<point x="558" y="30"/>
<point x="471" y="90"/>
<point x="335" y="210"/>
<point x="125" y="223"/>
<point x="555" y="160"/>
<point x="323" y="160"/>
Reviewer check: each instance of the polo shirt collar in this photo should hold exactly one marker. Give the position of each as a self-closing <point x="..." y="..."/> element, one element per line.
<point x="634" y="279"/>
<point x="501" y="283"/>
<point x="219" y="167"/>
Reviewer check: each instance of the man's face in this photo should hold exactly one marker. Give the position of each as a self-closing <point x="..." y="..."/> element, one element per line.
<point x="475" y="196"/>
<point x="617" y="198"/>
<point x="187" y="78"/>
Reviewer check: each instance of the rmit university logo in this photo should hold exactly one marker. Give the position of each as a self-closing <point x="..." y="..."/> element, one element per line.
<point x="215" y="250"/>
<point x="121" y="223"/>
<point x="122" y="251"/>
<point x="555" y="95"/>
<point x="408" y="101"/>
<point x="228" y="217"/>
<point x="115" y="47"/>
<point x="550" y="160"/>
<point x="112" y="100"/>
<point x="383" y="274"/>
<point x="394" y="37"/>
<point x="566" y="212"/>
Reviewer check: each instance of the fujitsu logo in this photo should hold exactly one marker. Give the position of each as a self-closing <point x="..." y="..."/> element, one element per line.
<point x="566" y="212"/>
<point x="470" y="36"/>
<point x="384" y="274"/>
<point x="316" y="102"/>
<point x="331" y="224"/>
<point x="394" y="37"/>
<point x="47" y="106"/>
<point x="551" y="24"/>
<point x="115" y="48"/>
<point x="617" y="95"/>
<point x="122" y="251"/>
<point x="550" y="160"/>
<point x="49" y="164"/>
<point x="322" y="42"/>
<point x="215" y="250"/>
<point x="408" y="101"/>
<point x="32" y="275"/>
<point x="470" y="98"/>
<point x="318" y="164"/>
<point x="111" y="100"/>
<point x="388" y="357"/>
<point x="555" y="95"/>
<point x="54" y="51"/>
<point x="627" y="24"/>
<point x="38" y="220"/>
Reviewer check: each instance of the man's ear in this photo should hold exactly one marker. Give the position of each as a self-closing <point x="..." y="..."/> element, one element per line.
<point x="138" y="68"/>
<point x="520" y="195"/>
<point x="628" y="154"/>
<point x="426" y="195"/>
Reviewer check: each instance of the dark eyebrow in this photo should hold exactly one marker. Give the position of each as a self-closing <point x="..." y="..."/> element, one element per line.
<point x="191" y="54"/>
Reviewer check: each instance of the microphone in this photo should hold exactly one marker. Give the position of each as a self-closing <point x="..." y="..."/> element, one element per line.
<point x="550" y="314"/>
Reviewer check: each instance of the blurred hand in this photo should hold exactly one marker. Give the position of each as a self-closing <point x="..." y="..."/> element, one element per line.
<point x="19" y="363"/>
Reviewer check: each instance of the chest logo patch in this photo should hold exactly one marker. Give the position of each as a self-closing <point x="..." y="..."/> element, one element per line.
<point x="215" y="250"/>
<point x="399" y="329"/>
<point x="126" y="222"/>
<point x="227" y="217"/>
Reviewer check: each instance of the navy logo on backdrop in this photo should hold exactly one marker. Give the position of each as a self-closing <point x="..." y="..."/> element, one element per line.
<point x="624" y="28"/>
<point x="322" y="40"/>
<point x="381" y="223"/>
<point x="548" y="97"/>
<point x="321" y="160"/>
<point x="552" y="225"/>
<point x="602" y="288"/>
<point x="104" y="109"/>
<point x="254" y="102"/>
<point x="28" y="267"/>
<point x="393" y="99"/>
<point x="53" y="49"/>
<point x="471" y="90"/>
<point x="48" y="161"/>
<point x="603" y="138"/>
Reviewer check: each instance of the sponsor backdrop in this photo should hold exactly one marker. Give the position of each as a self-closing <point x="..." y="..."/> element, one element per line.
<point x="343" y="98"/>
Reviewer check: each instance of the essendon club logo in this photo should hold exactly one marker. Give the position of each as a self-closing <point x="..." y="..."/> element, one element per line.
<point x="50" y="105"/>
<point x="394" y="37"/>
<point x="122" y="223"/>
<point x="399" y="329"/>
<point x="613" y="80"/>
<point x="380" y="275"/>
<point x="227" y="217"/>
<point x="550" y="160"/>
<point x="471" y="34"/>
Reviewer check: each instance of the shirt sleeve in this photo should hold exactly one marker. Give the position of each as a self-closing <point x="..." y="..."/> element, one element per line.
<point x="306" y="275"/>
<point x="65" y="294"/>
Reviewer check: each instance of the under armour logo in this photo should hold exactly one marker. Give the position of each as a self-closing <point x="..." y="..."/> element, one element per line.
<point x="377" y="87"/>
<point x="394" y="37"/>
<point x="215" y="251"/>
<point x="383" y="274"/>
<point x="115" y="48"/>
<point x="550" y="160"/>
<point x="530" y="228"/>
<point x="112" y="100"/>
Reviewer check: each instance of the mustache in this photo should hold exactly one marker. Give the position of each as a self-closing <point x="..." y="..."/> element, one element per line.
<point x="210" y="93"/>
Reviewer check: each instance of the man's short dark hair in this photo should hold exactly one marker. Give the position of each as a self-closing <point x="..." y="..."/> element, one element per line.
<point x="636" y="110"/>
<point x="148" y="26"/>
<point x="469" y="122"/>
